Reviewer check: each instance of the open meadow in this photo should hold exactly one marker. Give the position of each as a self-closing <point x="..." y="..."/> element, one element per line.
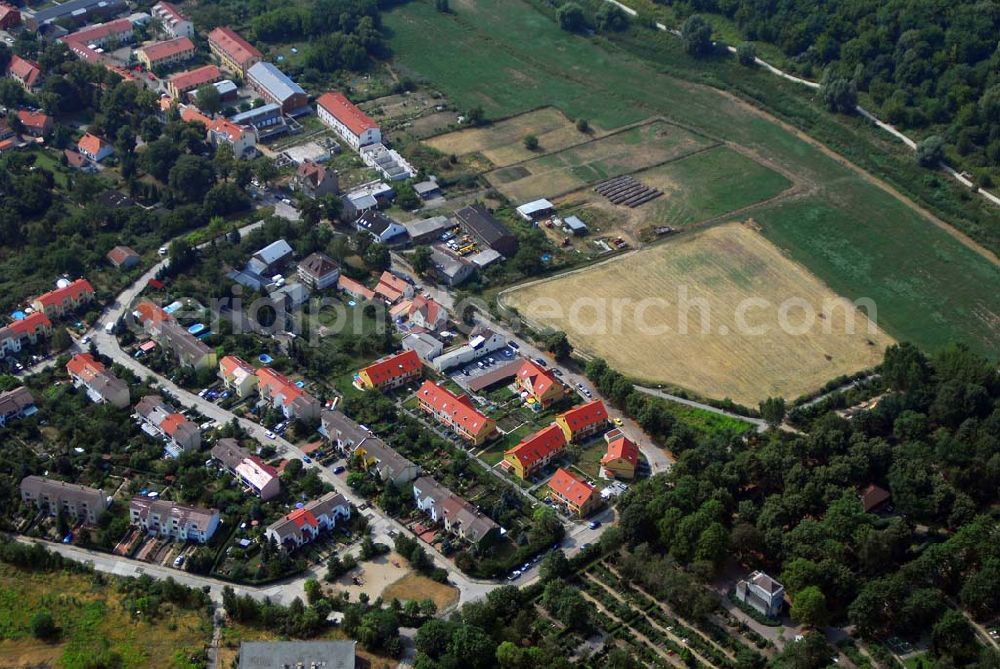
<point x="719" y="311"/>
<point x="95" y="625"/>
<point x="695" y="188"/>
<point x="502" y="142"/>
<point x="624" y="152"/>
<point x="855" y="235"/>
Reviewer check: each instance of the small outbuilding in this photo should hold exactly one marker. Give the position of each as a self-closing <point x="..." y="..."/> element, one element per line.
<point x="575" y="226"/>
<point x="532" y="211"/>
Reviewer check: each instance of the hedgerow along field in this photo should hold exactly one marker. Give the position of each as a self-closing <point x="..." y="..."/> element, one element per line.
<point x="620" y="153"/>
<point x="741" y="350"/>
<point x="515" y="58"/>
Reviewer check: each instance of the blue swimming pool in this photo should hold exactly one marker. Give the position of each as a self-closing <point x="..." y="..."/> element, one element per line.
<point x="19" y="315"/>
<point x="265" y="358"/>
<point x="196" y="328"/>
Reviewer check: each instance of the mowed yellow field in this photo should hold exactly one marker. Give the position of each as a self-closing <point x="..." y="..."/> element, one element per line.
<point x="719" y="311"/>
<point x="502" y="142"/>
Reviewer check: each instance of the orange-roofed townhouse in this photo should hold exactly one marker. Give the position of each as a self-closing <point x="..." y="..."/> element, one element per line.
<point x="93" y="147"/>
<point x="233" y="52"/>
<point x="581" y="497"/>
<point x="583" y="421"/>
<point x="35" y="123"/>
<point x="391" y="288"/>
<point x="622" y="457"/>
<point x="28" y="329"/>
<point x="357" y="290"/>
<point x="178" y="85"/>
<point x="62" y="301"/>
<point x="353" y="125"/>
<point x="238" y="375"/>
<point x="540" y="384"/>
<point x="294" y="402"/>
<point x="427" y="314"/>
<point x="174" y="22"/>
<point x="101" y="385"/>
<point x="391" y="372"/>
<point x="168" y="52"/>
<point x="303" y="525"/>
<point x="27" y="73"/>
<point x="455" y="412"/>
<point x="150" y="317"/>
<point x="535" y="451"/>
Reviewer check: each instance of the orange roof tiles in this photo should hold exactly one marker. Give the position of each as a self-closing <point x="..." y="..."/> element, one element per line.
<point x="390" y="368"/>
<point x="24" y="69"/>
<point x="622" y="448"/>
<point x="74" y="291"/>
<point x="458" y="410"/>
<point x="171" y="423"/>
<point x="537" y="378"/>
<point x="355" y="288"/>
<point x="91" y="144"/>
<point x="344" y="111"/>
<point x="149" y="312"/>
<point x="84" y="366"/>
<point x="539" y="445"/>
<point x="278" y="384"/>
<point x="585" y="415"/>
<point x="191" y="79"/>
<point x="167" y="49"/>
<point x="571" y="488"/>
<point x="231" y="363"/>
<point x="28" y="325"/>
<point x="302" y="517"/>
<point x="235" y="46"/>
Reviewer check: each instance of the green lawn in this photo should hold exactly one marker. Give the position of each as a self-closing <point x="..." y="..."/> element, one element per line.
<point x="706" y="423"/>
<point x="709" y="184"/>
<point x="514" y="58"/>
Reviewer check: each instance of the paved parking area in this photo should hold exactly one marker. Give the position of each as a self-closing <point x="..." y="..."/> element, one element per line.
<point x="467" y="373"/>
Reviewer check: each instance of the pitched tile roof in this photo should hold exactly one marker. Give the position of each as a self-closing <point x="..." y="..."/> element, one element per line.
<point x="456" y="408"/>
<point x="189" y="79"/>
<point x="91" y="144"/>
<point x="167" y="49"/>
<point x="539" y="445"/>
<point x="26" y="326"/>
<point x="73" y="291"/>
<point x="318" y="265"/>
<point x="538" y="379"/>
<point x="393" y="367"/>
<point x="235" y="46"/>
<point x="120" y="254"/>
<point x="621" y="448"/>
<point x="355" y="288"/>
<point x="585" y="415"/>
<point x="344" y="111"/>
<point x="84" y="367"/>
<point x="571" y="488"/>
<point x="26" y="70"/>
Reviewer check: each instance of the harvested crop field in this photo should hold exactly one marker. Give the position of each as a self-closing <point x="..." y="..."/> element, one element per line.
<point x="502" y="142"/>
<point x="719" y="311"/>
<point x="624" y="152"/>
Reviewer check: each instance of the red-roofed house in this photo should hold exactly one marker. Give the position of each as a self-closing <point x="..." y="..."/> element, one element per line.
<point x="315" y="180"/>
<point x="539" y="383"/>
<point x="93" y="147"/>
<point x="101" y="385"/>
<point x="10" y="17"/>
<point x="181" y="83"/>
<point x="583" y="421"/>
<point x="391" y="372"/>
<point x="391" y="288"/>
<point x="238" y="375"/>
<point x="622" y="457"/>
<point x="294" y="402"/>
<point x="85" y="42"/>
<point x="234" y="53"/>
<point x="427" y="314"/>
<point x="535" y="451"/>
<point x="123" y="256"/>
<point x="242" y="139"/>
<point x="77" y="161"/>
<point x="168" y="52"/>
<point x="355" y="289"/>
<point x="150" y="316"/>
<point x="63" y="300"/>
<point x="340" y="114"/>
<point x="304" y="524"/>
<point x="579" y="496"/>
<point x="28" y="329"/>
<point x="35" y="123"/>
<point x="25" y="72"/>
<point x="456" y="412"/>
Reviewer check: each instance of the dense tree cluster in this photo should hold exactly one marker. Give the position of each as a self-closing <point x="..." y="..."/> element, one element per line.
<point x="792" y="505"/>
<point x="933" y="64"/>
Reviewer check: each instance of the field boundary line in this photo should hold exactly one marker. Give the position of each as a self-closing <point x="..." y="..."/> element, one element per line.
<point x="636" y="634"/>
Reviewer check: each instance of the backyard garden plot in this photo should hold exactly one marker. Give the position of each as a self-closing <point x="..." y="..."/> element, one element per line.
<point x="704" y="311"/>
<point x="502" y="142"/>
<point x="624" y="152"/>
